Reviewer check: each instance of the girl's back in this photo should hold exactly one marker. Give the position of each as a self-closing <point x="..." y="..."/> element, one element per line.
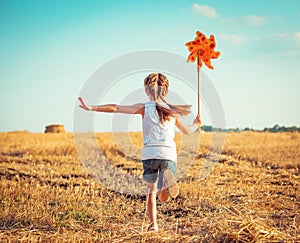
<point x="158" y="137"/>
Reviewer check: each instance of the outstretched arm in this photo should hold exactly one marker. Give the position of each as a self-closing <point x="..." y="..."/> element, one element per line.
<point x="190" y="128"/>
<point x="127" y="109"/>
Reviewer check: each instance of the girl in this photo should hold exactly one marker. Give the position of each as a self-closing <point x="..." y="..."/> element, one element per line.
<point x="159" y="151"/>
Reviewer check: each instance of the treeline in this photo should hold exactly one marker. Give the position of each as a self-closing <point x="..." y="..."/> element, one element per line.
<point x="276" y="128"/>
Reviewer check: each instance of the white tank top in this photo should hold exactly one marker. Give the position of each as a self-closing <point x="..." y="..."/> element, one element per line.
<point x="158" y="138"/>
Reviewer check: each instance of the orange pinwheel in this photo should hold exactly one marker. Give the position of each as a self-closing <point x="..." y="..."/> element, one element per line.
<point x="202" y="49"/>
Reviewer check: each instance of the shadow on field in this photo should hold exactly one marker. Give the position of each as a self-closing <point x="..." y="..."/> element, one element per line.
<point x="15" y="175"/>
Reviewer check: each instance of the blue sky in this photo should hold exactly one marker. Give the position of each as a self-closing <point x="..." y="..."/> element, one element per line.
<point x="50" y="48"/>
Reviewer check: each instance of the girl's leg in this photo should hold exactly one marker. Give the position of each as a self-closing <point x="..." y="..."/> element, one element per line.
<point x="151" y="206"/>
<point x="172" y="186"/>
<point x="167" y="183"/>
<point x="162" y="192"/>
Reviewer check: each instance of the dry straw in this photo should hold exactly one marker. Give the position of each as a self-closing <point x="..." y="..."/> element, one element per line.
<point x="251" y="196"/>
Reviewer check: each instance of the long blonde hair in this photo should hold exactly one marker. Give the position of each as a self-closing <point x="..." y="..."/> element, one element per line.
<point x="157" y="85"/>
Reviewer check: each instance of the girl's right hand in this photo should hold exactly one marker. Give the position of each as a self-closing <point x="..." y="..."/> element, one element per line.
<point x="84" y="106"/>
<point x="198" y="121"/>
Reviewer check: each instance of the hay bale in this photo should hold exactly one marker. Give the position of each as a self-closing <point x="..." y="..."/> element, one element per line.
<point x="55" y="128"/>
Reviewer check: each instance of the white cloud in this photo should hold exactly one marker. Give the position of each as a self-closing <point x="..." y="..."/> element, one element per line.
<point x="295" y="37"/>
<point x="253" y="20"/>
<point x="209" y="12"/>
<point x="239" y="39"/>
<point x="236" y="39"/>
<point x="204" y="10"/>
<point x="288" y="43"/>
<point x="293" y="53"/>
<point x="283" y="35"/>
<point x="242" y="21"/>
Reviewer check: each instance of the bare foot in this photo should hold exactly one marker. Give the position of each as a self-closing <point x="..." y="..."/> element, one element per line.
<point x="153" y="228"/>
<point x="163" y="195"/>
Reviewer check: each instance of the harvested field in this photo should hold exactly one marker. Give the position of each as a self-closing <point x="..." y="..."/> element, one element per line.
<point x="252" y="195"/>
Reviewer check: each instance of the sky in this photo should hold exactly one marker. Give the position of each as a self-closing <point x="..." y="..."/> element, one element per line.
<point x="50" y="48"/>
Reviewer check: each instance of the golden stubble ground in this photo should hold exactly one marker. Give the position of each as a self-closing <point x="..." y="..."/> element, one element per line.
<point x="252" y="195"/>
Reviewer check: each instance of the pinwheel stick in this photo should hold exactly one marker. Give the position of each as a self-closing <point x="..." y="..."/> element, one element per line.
<point x="198" y="72"/>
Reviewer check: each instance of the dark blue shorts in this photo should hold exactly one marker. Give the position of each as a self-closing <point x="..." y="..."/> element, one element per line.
<point x="154" y="169"/>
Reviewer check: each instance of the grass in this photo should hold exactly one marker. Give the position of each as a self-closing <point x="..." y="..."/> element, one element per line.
<point x="252" y="195"/>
